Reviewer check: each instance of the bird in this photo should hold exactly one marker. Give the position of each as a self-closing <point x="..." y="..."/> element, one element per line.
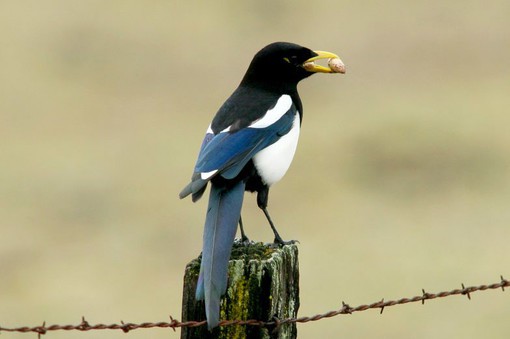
<point x="248" y="146"/>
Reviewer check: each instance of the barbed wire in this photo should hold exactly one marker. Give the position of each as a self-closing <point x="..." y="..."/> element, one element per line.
<point x="345" y="309"/>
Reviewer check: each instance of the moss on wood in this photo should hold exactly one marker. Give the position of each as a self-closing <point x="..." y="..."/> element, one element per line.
<point x="263" y="283"/>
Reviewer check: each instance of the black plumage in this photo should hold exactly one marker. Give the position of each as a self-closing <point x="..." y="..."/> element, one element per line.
<point x="248" y="147"/>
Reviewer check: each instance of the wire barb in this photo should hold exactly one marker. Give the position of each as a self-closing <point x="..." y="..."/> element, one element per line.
<point x="346" y="309"/>
<point x="465" y="291"/>
<point x="84" y="326"/>
<point x="276" y="324"/>
<point x="273" y="323"/>
<point x="41" y="330"/>
<point x="425" y="296"/>
<point x="172" y="322"/>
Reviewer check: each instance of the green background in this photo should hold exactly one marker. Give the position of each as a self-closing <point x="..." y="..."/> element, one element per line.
<point x="401" y="180"/>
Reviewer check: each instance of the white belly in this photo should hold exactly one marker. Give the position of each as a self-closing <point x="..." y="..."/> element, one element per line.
<point x="273" y="162"/>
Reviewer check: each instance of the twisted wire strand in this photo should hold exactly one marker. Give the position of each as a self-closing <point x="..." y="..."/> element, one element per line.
<point x="173" y="323"/>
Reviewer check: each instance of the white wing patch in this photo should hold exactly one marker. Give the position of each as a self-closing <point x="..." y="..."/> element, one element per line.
<point x="207" y="175"/>
<point x="226" y="129"/>
<point x="282" y="106"/>
<point x="210" y="131"/>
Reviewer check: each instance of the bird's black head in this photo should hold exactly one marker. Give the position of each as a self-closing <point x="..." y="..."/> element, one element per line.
<point x="281" y="65"/>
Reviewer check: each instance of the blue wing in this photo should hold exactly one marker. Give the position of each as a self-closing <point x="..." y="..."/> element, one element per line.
<point x="226" y="153"/>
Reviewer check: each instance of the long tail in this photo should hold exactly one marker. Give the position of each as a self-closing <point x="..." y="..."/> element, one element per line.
<point x="220" y="229"/>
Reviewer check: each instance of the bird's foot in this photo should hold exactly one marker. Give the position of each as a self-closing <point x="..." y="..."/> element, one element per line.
<point x="279" y="242"/>
<point x="245" y="240"/>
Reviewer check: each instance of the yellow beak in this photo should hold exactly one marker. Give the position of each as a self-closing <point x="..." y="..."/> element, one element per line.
<point x="310" y="65"/>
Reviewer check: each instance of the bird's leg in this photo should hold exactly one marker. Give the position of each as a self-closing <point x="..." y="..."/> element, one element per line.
<point x="262" y="198"/>
<point x="277" y="238"/>
<point x="244" y="238"/>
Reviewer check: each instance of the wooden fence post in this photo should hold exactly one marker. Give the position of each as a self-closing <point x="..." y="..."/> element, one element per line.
<point x="263" y="283"/>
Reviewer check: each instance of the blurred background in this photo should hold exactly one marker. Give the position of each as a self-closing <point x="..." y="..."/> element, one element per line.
<point x="401" y="180"/>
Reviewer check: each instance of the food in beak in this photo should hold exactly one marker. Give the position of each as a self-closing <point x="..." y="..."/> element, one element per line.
<point x="336" y="65"/>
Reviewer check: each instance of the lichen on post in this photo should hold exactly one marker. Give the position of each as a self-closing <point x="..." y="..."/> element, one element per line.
<point x="263" y="284"/>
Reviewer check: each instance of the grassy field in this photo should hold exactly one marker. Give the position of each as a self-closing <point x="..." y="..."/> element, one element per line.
<point x="401" y="180"/>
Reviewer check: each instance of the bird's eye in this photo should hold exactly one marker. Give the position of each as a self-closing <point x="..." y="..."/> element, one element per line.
<point x="291" y="60"/>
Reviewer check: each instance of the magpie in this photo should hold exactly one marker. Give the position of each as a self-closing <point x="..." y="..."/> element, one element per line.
<point x="248" y="147"/>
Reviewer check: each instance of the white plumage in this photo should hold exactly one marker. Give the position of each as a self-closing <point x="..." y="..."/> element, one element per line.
<point x="282" y="106"/>
<point x="273" y="161"/>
